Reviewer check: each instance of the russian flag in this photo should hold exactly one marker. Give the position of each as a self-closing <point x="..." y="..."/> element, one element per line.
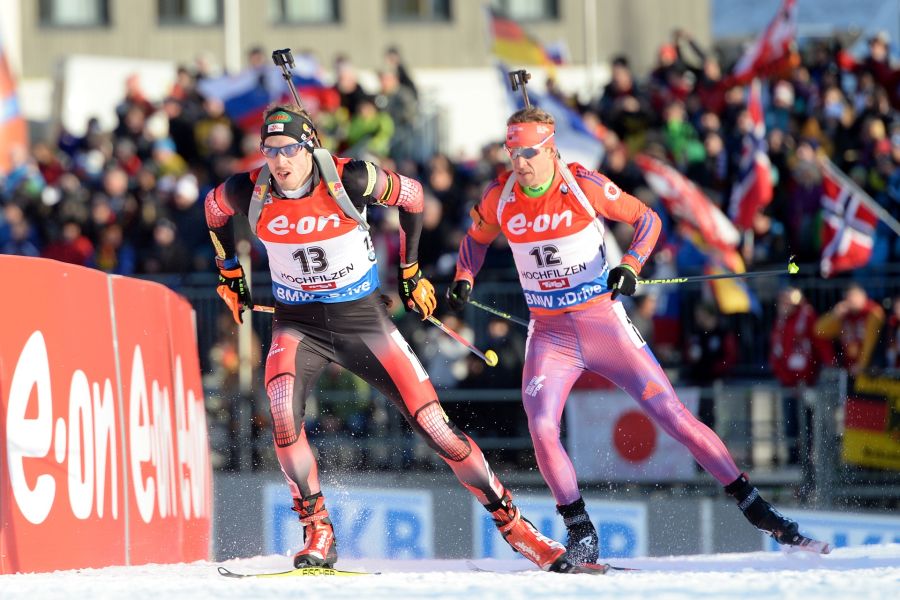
<point x="247" y="94"/>
<point x="13" y="129"/>
<point x="753" y="190"/>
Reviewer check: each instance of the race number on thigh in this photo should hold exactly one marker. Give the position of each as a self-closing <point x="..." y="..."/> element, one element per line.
<point x="413" y="359"/>
<point x="633" y="334"/>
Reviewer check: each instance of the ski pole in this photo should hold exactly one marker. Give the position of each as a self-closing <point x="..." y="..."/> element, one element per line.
<point x="285" y="60"/>
<point x="518" y="79"/>
<point x="488" y="356"/>
<point x="792" y="269"/>
<point x="499" y="313"/>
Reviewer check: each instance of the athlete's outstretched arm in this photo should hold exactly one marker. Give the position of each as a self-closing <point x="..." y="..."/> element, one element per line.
<point x="221" y="203"/>
<point x="218" y="219"/>
<point x="612" y="203"/>
<point x="483" y="231"/>
<point x="367" y="184"/>
<point x="232" y="288"/>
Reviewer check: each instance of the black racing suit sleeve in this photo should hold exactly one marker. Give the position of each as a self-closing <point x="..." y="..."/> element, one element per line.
<point x="367" y="184"/>
<point x="222" y="202"/>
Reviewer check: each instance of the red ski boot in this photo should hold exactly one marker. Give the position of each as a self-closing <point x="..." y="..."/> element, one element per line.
<point x="525" y="539"/>
<point x="319" y="549"/>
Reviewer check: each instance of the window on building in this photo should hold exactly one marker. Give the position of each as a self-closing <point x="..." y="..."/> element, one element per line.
<point x="73" y="13"/>
<point x="528" y="10"/>
<point x="302" y="12"/>
<point x="190" y="12"/>
<point x="418" y="10"/>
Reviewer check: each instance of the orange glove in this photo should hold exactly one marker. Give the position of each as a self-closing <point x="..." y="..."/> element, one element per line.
<point x="416" y="291"/>
<point x="234" y="291"/>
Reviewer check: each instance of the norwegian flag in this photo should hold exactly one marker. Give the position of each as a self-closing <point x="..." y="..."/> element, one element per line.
<point x="687" y="204"/>
<point x="753" y="190"/>
<point x="850" y="217"/>
<point x="771" y="48"/>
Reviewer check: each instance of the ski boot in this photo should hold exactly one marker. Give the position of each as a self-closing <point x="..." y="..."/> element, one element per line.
<point x="319" y="549"/>
<point x="582" y="544"/>
<point x="525" y="539"/>
<point x="761" y="514"/>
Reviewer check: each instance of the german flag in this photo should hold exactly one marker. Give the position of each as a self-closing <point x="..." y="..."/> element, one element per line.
<point x="872" y="423"/>
<point x="13" y="129"/>
<point x="512" y="44"/>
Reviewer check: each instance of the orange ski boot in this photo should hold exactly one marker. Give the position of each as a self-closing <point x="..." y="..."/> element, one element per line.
<point x="319" y="549"/>
<point x="525" y="538"/>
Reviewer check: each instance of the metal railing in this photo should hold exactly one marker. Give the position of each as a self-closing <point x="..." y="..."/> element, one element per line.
<point x="501" y="290"/>
<point x="748" y="410"/>
<point x="749" y="418"/>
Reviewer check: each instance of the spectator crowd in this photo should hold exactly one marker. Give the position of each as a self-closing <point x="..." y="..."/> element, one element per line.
<point x="129" y="201"/>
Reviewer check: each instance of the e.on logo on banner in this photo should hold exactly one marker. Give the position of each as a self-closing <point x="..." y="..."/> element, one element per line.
<point x="81" y="440"/>
<point x="177" y="458"/>
<point x="104" y="456"/>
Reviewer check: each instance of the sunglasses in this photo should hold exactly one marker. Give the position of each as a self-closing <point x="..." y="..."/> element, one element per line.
<point x="527" y="152"/>
<point x="288" y="151"/>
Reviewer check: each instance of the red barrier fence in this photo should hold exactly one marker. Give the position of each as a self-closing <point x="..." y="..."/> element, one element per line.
<point x="104" y="454"/>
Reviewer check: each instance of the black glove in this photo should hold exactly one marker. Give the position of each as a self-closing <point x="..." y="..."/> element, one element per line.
<point x="458" y="294"/>
<point x="622" y="280"/>
<point x="234" y="291"/>
<point x="416" y="291"/>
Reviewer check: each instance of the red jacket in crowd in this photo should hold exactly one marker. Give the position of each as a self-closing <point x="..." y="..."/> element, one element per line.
<point x="796" y="355"/>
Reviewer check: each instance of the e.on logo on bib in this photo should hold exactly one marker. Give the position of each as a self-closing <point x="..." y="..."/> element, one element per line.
<point x="520" y="224"/>
<point x="281" y="225"/>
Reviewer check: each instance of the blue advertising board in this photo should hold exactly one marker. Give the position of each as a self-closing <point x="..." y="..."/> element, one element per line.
<point x="368" y="522"/>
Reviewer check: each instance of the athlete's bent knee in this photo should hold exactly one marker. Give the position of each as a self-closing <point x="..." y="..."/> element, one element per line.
<point x="544" y="428"/>
<point x="286" y="425"/>
<point x="441" y="434"/>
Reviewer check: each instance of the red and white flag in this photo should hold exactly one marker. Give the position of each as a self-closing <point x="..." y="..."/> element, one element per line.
<point x="688" y="204"/>
<point x="770" y="48"/>
<point x="610" y="438"/>
<point x="753" y="190"/>
<point x="849" y="220"/>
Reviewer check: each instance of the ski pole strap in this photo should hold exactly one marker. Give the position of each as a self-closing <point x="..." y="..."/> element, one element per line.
<point x="336" y="188"/>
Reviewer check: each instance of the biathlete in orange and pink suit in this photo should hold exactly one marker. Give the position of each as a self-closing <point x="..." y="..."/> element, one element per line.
<point x="552" y="215"/>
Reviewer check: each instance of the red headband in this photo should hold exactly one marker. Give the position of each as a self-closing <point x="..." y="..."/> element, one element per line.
<point x="520" y="135"/>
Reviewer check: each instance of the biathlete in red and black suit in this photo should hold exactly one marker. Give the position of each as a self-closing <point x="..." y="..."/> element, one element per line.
<point x="308" y="209"/>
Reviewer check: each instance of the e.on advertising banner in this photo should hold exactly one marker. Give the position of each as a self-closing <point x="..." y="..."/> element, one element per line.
<point x="103" y="452"/>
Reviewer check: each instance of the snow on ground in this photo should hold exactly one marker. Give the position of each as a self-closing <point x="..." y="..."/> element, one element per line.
<point x="858" y="573"/>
